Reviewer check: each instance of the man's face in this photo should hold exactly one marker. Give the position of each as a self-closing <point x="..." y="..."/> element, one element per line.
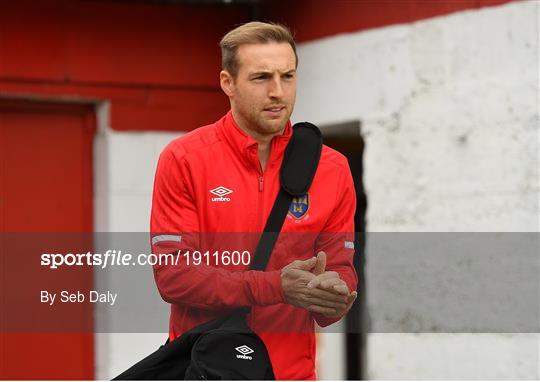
<point x="264" y="90"/>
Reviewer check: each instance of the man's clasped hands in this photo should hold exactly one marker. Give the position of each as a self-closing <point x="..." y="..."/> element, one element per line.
<point x="308" y="285"/>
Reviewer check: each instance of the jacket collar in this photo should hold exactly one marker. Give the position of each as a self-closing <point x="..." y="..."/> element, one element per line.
<point x="247" y="148"/>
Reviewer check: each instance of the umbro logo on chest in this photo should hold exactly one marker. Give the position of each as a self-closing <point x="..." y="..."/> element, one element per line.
<point x="220" y="194"/>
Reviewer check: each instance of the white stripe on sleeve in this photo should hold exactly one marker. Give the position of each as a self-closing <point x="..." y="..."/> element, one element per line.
<point x="160" y="238"/>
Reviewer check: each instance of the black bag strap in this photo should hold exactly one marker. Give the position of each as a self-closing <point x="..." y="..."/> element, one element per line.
<point x="296" y="174"/>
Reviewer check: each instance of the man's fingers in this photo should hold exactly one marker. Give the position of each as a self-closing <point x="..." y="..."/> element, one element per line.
<point x="328" y="295"/>
<point x="302" y="276"/>
<point x="320" y="266"/>
<point x="331" y="287"/>
<point x="341" y="307"/>
<point x="334" y="312"/>
<point x="329" y="284"/>
<point x="305" y="265"/>
<point x="341" y="289"/>
<point x="327" y="303"/>
<point x="317" y="280"/>
<point x="351" y="299"/>
<point x="329" y="312"/>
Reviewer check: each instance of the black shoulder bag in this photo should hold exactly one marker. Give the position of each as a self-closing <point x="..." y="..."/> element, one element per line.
<point x="226" y="348"/>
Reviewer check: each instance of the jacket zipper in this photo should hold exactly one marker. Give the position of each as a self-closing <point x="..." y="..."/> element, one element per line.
<point x="260" y="210"/>
<point x="260" y="198"/>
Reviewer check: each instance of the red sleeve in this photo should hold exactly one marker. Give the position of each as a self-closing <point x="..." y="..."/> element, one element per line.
<point x="174" y="227"/>
<point x="337" y="239"/>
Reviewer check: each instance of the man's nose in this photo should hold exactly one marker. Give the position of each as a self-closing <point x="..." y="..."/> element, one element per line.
<point x="276" y="88"/>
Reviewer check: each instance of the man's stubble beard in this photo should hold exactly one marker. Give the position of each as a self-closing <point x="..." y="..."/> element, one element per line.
<point x="273" y="126"/>
<point x="264" y="126"/>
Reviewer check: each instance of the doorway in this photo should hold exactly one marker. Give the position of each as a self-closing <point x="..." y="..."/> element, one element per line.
<point x="46" y="191"/>
<point x="346" y="138"/>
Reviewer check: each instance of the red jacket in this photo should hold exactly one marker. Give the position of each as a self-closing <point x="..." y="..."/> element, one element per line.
<point x="210" y="181"/>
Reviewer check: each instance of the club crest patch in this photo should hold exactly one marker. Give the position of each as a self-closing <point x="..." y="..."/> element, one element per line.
<point x="299" y="206"/>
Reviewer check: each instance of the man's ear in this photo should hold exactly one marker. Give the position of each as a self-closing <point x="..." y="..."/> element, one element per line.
<point x="227" y="82"/>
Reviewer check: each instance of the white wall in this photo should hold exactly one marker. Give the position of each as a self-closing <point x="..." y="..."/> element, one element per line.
<point x="449" y="112"/>
<point x="124" y="168"/>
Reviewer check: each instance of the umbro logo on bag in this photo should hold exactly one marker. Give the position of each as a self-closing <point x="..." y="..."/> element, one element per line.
<point x="220" y="193"/>
<point x="244" y="350"/>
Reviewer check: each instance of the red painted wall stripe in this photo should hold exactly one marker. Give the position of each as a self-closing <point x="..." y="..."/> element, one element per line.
<point x="158" y="65"/>
<point x="113" y="42"/>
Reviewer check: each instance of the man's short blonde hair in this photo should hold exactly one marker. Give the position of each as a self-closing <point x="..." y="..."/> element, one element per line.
<point x="252" y="33"/>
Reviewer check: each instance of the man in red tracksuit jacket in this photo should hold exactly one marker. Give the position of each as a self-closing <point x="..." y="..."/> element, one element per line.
<point x="213" y="191"/>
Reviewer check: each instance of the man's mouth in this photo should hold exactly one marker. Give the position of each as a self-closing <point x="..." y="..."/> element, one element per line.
<point x="274" y="109"/>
